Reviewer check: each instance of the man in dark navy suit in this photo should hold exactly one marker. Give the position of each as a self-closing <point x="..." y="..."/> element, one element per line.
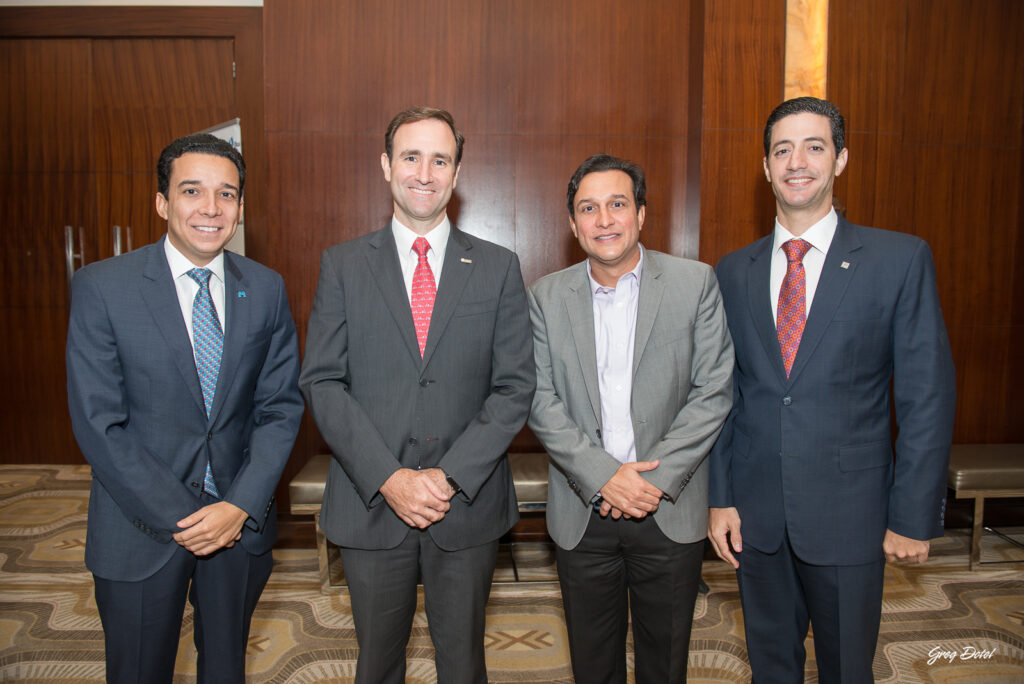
<point x="808" y="499"/>
<point x="183" y="389"/>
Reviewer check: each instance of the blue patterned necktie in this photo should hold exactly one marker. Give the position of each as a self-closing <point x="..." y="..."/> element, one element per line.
<point x="208" y="339"/>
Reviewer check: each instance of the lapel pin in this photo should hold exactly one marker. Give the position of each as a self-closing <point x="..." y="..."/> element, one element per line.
<point x="465" y="260"/>
<point x="241" y="294"/>
<point x="845" y="264"/>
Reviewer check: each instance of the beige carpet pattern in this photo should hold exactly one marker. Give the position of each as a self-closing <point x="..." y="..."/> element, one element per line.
<point x="941" y="622"/>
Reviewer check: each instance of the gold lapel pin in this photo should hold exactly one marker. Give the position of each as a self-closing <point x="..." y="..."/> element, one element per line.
<point x="465" y="260"/>
<point x="845" y="264"/>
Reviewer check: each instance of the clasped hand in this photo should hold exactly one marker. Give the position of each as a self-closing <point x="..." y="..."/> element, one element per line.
<point x="419" y="497"/>
<point x="628" y="495"/>
<point x="212" y="527"/>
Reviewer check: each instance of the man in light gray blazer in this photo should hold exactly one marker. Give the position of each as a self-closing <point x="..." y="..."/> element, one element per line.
<point x="419" y="372"/>
<point x="634" y="381"/>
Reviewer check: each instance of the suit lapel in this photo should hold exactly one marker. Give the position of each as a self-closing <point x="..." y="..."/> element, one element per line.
<point x="651" y="290"/>
<point x="161" y="297"/>
<point x="455" y="274"/>
<point x="236" y="324"/>
<point x="579" y="306"/>
<point x="835" y="278"/>
<point x="759" y="301"/>
<point x="382" y="260"/>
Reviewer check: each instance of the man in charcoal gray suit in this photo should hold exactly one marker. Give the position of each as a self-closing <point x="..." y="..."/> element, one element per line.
<point x="419" y="372"/>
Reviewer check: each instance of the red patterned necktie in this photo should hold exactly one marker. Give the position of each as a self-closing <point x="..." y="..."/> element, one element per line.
<point x="424" y="291"/>
<point x="792" y="312"/>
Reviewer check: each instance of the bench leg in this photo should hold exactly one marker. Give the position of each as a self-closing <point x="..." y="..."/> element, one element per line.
<point x="321" y="556"/>
<point x="976" y="532"/>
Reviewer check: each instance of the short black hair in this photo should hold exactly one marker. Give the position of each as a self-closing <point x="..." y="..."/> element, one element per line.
<point x="606" y="162"/>
<point x="414" y="114"/>
<point x="813" y="105"/>
<point x="197" y="143"/>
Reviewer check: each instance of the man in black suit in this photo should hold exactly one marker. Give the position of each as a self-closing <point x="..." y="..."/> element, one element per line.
<point x="824" y="316"/>
<point x="419" y="372"/>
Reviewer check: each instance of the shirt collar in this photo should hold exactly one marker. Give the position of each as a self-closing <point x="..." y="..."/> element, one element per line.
<point x="405" y="236"/>
<point x="819" y="235"/>
<point x="634" y="275"/>
<point x="180" y="265"/>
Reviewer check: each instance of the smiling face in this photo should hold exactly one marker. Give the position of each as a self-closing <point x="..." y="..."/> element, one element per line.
<point x="202" y="206"/>
<point x="802" y="165"/>
<point x="422" y="173"/>
<point x="607" y="224"/>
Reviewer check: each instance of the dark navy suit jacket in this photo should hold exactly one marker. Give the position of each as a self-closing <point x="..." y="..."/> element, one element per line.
<point x="137" y="409"/>
<point x="812" y="454"/>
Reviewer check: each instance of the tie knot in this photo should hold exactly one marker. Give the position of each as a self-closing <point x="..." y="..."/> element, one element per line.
<point x="795" y="250"/>
<point x="201" y="276"/>
<point x="421" y="246"/>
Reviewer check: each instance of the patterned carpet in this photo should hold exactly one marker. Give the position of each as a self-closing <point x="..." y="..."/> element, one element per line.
<point x="941" y="623"/>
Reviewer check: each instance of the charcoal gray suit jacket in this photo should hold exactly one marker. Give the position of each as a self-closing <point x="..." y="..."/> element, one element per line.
<point x="381" y="407"/>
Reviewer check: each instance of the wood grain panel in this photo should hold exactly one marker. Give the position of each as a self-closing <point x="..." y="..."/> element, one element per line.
<point x="147" y="92"/>
<point x="38" y="134"/>
<point x="744" y="80"/>
<point x="744" y="71"/>
<point x="867" y="63"/>
<point x="964" y="73"/>
<point x="362" y="62"/>
<point x="34" y="301"/>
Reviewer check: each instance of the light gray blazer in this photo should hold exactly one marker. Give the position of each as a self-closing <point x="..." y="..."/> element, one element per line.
<point x="682" y="392"/>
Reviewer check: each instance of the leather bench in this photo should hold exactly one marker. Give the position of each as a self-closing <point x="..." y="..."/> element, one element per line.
<point x="306" y="491"/>
<point x="985" y="471"/>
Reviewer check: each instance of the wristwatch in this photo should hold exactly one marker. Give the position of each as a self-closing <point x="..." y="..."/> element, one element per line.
<point x="451" y="483"/>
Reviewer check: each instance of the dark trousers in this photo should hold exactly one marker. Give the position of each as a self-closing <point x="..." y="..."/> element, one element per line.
<point x="142" y="620"/>
<point x="621" y="565"/>
<point x="781" y="594"/>
<point x="456" y="584"/>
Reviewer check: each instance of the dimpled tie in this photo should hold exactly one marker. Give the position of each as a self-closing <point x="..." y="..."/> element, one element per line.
<point x="792" y="312"/>
<point x="209" y="343"/>
<point x="424" y="291"/>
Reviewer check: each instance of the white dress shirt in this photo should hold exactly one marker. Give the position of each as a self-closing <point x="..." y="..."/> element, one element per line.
<point x="187" y="288"/>
<point x="407" y="256"/>
<point x="615" y="310"/>
<point x="820" y="236"/>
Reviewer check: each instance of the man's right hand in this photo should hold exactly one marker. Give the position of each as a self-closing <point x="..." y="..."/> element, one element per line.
<point x="415" y="497"/>
<point x="723" y="528"/>
<point x="628" y="494"/>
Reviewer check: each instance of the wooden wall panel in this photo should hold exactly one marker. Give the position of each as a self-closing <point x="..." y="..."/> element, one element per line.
<point x="38" y="135"/>
<point x="536" y="86"/>
<point x="743" y="81"/>
<point x="933" y="94"/>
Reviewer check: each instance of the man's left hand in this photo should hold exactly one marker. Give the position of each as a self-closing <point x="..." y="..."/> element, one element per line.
<point x="212" y="527"/>
<point x="900" y="549"/>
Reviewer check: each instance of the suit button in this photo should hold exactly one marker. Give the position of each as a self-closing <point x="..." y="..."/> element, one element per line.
<point x="424" y="382"/>
<point x="209" y="436"/>
<point x="195" y="484"/>
<point x="412" y="441"/>
<point x="786" y="401"/>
